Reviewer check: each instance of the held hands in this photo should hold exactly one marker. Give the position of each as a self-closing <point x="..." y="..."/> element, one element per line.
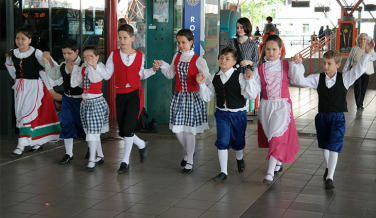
<point x="46" y="57"/>
<point x="297" y="59"/>
<point x="200" y="78"/>
<point x="156" y="65"/>
<point x="369" y="47"/>
<point x="248" y="74"/>
<point x="245" y="63"/>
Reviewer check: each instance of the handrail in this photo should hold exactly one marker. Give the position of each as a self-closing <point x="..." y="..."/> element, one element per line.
<point x="316" y="46"/>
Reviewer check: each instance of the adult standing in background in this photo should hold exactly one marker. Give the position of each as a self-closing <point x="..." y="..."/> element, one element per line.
<point x="276" y="30"/>
<point x="321" y="32"/>
<point x="247" y="49"/>
<point x="360" y="85"/>
<point x="139" y="41"/>
<point x="269" y="20"/>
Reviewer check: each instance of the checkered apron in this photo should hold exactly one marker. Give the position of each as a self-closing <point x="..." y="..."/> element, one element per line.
<point x="187" y="108"/>
<point x="93" y="111"/>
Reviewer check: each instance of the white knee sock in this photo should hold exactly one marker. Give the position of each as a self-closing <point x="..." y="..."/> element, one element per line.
<point x="272" y="164"/>
<point x="69" y="146"/>
<point x="239" y="155"/>
<point x="333" y="158"/>
<point x="99" y="150"/>
<point x="128" y="143"/>
<point x="181" y="138"/>
<point x="223" y="158"/>
<point x="190" y="142"/>
<point x="93" y="148"/>
<point x="139" y="142"/>
<point x="325" y="152"/>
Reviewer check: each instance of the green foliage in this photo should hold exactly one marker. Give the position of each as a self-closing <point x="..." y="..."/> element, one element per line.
<point x="257" y="10"/>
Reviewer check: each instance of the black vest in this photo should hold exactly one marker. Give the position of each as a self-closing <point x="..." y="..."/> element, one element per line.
<point x="333" y="99"/>
<point x="67" y="85"/>
<point x="230" y="92"/>
<point x="27" y="68"/>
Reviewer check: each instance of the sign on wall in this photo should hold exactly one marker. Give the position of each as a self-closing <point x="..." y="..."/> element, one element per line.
<point x="192" y="20"/>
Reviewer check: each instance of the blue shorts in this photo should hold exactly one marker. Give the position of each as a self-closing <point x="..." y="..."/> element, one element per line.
<point x="70" y="117"/>
<point x="231" y="128"/>
<point x="330" y="128"/>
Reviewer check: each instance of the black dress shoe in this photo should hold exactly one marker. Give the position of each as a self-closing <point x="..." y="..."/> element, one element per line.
<point x="142" y="154"/>
<point x="186" y="171"/>
<point x="100" y="161"/>
<point x="36" y="149"/>
<point x="87" y="154"/>
<point x="241" y="165"/>
<point x="15" y="154"/>
<point x="220" y="177"/>
<point x="329" y="184"/>
<point x="66" y="159"/>
<point x="89" y="169"/>
<point x="184" y="162"/>
<point x="325" y="174"/>
<point x="124" y="167"/>
<point x="280" y="170"/>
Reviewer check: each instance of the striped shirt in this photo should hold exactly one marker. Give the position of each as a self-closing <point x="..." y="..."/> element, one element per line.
<point x="249" y="50"/>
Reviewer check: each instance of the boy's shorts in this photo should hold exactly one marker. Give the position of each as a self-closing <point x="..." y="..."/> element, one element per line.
<point x="330" y="128"/>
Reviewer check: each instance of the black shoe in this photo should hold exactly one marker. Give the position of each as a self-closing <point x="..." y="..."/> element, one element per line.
<point x="184" y="162"/>
<point x="66" y="159"/>
<point x="329" y="184"/>
<point x="36" y="149"/>
<point x="241" y="165"/>
<point x="358" y="108"/>
<point x="186" y="171"/>
<point x="142" y="154"/>
<point x="87" y="153"/>
<point x="220" y="177"/>
<point x="15" y="154"/>
<point x="100" y="161"/>
<point x="89" y="169"/>
<point x="280" y="169"/>
<point x="325" y="174"/>
<point x="124" y="167"/>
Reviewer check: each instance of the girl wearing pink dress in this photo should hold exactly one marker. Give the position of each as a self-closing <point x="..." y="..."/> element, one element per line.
<point x="276" y="126"/>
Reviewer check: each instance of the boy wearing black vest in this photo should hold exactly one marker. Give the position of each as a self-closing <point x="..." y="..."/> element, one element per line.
<point x="332" y="88"/>
<point x="70" y="113"/>
<point x="231" y="88"/>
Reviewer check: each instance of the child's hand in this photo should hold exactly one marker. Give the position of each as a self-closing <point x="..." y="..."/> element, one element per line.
<point x="297" y="59"/>
<point x="158" y="62"/>
<point x="245" y="63"/>
<point x="70" y="66"/>
<point x="369" y="47"/>
<point x="92" y="62"/>
<point x="46" y="55"/>
<point x="248" y="74"/>
<point x="200" y="78"/>
<point x="156" y="65"/>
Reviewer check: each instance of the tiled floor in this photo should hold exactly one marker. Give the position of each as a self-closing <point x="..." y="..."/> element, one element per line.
<point x="157" y="188"/>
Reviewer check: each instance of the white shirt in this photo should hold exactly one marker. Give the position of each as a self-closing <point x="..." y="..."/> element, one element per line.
<point x="348" y="77"/>
<point x="127" y="60"/>
<point x="55" y="73"/>
<point x="207" y="92"/>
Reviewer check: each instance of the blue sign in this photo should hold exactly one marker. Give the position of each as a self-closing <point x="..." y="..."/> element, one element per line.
<point x="192" y="20"/>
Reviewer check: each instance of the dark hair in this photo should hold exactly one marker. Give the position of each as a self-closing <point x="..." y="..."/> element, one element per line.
<point x="247" y="26"/>
<point x="122" y="20"/>
<point x="188" y="34"/>
<point x="269" y="18"/>
<point x="127" y="28"/>
<point x="274" y="38"/>
<point x="92" y="48"/>
<point x="70" y="43"/>
<point x="231" y="50"/>
<point x="24" y="30"/>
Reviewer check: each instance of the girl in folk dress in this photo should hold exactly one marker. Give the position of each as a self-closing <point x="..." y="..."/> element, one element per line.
<point x="188" y="114"/>
<point x="276" y="126"/>
<point x="34" y="108"/>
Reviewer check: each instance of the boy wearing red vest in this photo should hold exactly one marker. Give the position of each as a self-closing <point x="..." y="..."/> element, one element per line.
<point x="128" y="66"/>
<point x="94" y="109"/>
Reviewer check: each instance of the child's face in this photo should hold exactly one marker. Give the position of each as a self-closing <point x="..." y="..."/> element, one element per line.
<point x="22" y="41"/>
<point x="240" y="30"/>
<point x="141" y="28"/>
<point x="183" y="43"/>
<point x="272" y="50"/>
<point x="69" y="54"/>
<point x="125" y="40"/>
<point x="330" y="66"/>
<point x="226" y="61"/>
<point x="90" y="57"/>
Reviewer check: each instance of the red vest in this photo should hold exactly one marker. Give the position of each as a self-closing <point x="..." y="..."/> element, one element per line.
<point x="192" y="85"/>
<point x="125" y="75"/>
<point x="95" y="88"/>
